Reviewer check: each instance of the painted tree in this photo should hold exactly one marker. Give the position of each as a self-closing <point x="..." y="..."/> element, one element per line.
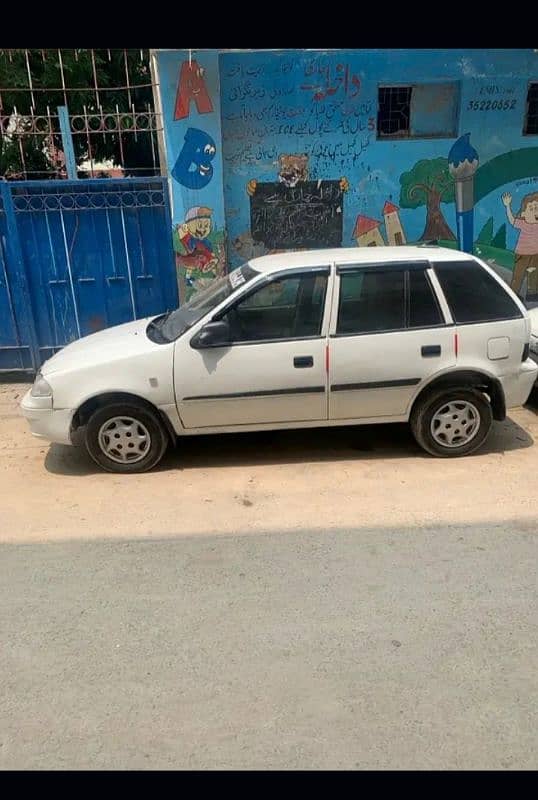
<point x="499" y="240"/>
<point x="486" y="234"/>
<point x="429" y="184"/>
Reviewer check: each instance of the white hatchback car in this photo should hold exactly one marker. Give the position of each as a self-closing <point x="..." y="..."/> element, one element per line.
<point x="305" y="339"/>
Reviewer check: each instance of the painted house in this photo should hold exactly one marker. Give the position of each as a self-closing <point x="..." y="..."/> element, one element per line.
<point x="393" y="225"/>
<point x="291" y="148"/>
<point x="366" y="232"/>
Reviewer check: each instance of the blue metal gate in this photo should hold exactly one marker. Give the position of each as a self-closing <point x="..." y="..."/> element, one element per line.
<point x="79" y="256"/>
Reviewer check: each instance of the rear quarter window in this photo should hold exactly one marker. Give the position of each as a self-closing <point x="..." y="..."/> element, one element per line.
<point x="474" y="295"/>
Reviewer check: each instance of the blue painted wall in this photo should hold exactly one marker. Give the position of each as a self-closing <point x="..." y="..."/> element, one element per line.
<point x="324" y="104"/>
<point x="190" y="188"/>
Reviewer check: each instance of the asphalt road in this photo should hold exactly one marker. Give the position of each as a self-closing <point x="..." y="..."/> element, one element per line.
<point x="383" y="648"/>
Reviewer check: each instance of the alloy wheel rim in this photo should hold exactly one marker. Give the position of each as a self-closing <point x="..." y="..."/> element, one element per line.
<point x="455" y="423"/>
<point x="124" y="440"/>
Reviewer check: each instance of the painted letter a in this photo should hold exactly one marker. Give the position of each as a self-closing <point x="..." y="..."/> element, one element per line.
<point x="191" y="87"/>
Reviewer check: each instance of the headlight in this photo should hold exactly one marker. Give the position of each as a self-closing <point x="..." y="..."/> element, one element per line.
<point x="41" y="388"/>
<point x="533" y="345"/>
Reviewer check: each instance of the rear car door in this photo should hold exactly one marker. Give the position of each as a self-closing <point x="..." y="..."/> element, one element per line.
<point x="389" y="333"/>
<point x="492" y="330"/>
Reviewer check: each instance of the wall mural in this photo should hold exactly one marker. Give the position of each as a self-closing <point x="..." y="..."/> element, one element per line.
<point x="462" y="165"/>
<point x="429" y="183"/>
<point x="190" y="98"/>
<point x="199" y="249"/>
<point x="278" y="113"/>
<point x="526" y="249"/>
<point x="193" y="167"/>
<point x="295" y="212"/>
<point x="260" y="143"/>
<point x="367" y="231"/>
<point x="191" y="89"/>
<point x="451" y="180"/>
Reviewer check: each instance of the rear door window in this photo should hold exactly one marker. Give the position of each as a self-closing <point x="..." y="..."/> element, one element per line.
<point x="474" y="295"/>
<point x="371" y="301"/>
<point x="382" y="299"/>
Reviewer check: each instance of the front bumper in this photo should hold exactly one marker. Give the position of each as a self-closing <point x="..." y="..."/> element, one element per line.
<point x="46" y="422"/>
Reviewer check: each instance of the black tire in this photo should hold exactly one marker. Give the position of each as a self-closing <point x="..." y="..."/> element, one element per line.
<point x="426" y="408"/>
<point x="146" y="419"/>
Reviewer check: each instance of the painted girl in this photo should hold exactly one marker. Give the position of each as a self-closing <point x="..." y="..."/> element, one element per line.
<point x="526" y="249"/>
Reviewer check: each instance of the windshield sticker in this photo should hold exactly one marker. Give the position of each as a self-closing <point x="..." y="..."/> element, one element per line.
<point x="236" y="278"/>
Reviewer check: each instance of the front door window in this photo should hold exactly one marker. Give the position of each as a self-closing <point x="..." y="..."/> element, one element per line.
<point x="285" y="308"/>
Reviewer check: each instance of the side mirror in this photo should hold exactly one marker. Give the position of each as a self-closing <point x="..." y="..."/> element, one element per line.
<point x="213" y="334"/>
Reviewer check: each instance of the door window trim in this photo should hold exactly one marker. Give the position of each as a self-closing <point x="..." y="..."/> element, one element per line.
<point x="382" y="266"/>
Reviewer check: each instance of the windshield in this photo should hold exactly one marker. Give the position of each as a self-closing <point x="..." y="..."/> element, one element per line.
<point x="168" y="327"/>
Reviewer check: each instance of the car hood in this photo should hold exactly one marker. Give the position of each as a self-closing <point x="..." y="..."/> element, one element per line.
<point x="118" y="342"/>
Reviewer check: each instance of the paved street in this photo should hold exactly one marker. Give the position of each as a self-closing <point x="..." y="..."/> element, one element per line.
<point x="295" y="600"/>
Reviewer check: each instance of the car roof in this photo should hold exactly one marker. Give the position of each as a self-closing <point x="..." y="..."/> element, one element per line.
<point x="355" y="255"/>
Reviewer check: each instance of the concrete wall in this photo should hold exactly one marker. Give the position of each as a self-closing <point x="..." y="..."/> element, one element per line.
<point x="310" y="118"/>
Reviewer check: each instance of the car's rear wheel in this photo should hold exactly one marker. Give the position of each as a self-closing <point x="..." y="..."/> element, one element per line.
<point x="125" y="437"/>
<point x="452" y="422"/>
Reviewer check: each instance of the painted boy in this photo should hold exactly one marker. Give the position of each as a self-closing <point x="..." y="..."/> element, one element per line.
<point x="193" y="235"/>
<point x="526" y="249"/>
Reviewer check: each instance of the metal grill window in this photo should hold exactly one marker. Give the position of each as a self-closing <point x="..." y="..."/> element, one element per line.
<point x="111" y="117"/>
<point x="531" y="116"/>
<point x="394" y="111"/>
<point x="418" y="111"/>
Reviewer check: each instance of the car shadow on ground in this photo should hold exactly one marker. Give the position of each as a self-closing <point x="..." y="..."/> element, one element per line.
<point x="365" y="442"/>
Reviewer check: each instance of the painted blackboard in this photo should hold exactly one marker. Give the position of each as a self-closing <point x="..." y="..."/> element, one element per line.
<point x="308" y="215"/>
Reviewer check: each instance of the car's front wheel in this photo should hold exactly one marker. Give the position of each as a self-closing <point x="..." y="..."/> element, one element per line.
<point x="452" y="422"/>
<point x="125" y="437"/>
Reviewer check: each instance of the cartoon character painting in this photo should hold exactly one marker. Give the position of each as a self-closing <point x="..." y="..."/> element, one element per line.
<point x="526" y="249"/>
<point x="292" y="170"/>
<point x="199" y="250"/>
<point x="296" y="211"/>
<point x="193" y="167"/>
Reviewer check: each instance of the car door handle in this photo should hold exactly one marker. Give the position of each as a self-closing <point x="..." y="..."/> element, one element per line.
<point x="430" y="350"/>
<point x="300" y="362"/>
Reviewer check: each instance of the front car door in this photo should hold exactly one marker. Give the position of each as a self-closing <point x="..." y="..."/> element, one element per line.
<point x="389" y="332"/>
<point x="274" y="369"/>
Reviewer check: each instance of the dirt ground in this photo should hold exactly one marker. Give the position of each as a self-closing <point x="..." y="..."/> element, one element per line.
<point x="289" y="480"/>
<point x="330" y="599"/>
